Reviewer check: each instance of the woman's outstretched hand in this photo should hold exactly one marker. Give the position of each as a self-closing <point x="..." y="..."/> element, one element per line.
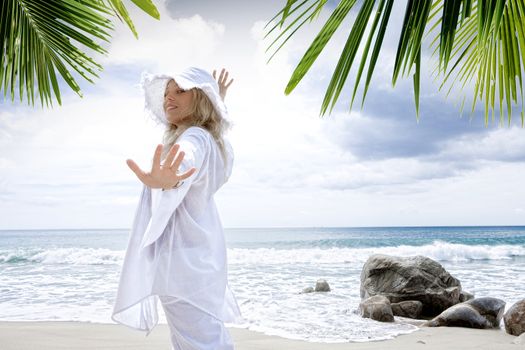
<point x="222" y="81"/>
<point x="162" y="176"/>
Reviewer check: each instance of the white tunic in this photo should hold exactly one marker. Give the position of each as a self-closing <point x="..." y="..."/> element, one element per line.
<point x="176" y="245"/>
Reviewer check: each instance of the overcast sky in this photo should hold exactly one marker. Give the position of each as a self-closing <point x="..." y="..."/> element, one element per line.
<point x="65" y="167"/>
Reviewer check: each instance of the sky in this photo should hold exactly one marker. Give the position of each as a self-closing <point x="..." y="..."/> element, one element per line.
<point x="64" y="167"/>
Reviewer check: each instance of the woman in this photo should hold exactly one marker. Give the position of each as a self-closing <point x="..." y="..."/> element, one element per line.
<point x="176" y="251"/>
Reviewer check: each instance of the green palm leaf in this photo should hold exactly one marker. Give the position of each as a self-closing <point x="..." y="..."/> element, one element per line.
<point x="39" y="38"/>
<point x="494" y="59"/>
<point x="331" y="25"/>
<point x="309" y="14"/>
<point x="482" y="40"/>
<point x="122" y="13"/>
<point x="383" y="12"/>
<point x="348" y="55"/>
<point x="409" y="48"/>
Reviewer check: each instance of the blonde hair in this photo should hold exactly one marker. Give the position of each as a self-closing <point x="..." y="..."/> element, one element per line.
<point x="203" y="114"/>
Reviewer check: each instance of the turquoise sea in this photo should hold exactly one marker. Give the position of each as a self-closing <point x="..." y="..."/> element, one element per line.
<point x="72" y="275"/>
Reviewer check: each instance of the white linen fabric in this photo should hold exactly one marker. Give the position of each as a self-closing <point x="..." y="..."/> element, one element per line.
<point x="193" y="329"/>
<point x="176" y="247"/>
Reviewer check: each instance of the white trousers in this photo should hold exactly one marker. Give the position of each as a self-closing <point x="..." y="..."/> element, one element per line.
<point x="194" y="329"/>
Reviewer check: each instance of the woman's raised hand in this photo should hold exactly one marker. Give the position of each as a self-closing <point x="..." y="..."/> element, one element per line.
<point x="162" y="176"/>
<point x="223" y="82"/>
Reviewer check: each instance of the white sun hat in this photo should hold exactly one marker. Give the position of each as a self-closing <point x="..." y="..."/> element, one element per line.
<point x="154" y="85"/>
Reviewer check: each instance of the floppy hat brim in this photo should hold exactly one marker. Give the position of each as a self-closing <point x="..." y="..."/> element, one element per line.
<point x="154" y="86"/>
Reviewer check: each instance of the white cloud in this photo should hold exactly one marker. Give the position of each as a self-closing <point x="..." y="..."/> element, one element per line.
<point x="506" y="144"/>
<point x="166" y="44"/>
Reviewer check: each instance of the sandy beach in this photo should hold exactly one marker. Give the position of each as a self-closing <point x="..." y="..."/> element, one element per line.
<point x="78" y="335"/>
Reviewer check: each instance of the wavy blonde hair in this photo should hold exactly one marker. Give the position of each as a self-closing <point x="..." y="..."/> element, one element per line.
<point x="203" y="114"/>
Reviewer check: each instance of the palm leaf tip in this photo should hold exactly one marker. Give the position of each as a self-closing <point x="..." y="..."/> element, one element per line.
<point x="148" y="7"/>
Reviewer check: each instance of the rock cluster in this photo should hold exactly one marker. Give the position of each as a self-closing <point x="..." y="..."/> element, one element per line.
<point x="320" y="286"/>
<point x="420" y="288"/>
<point x="475" y="313"/>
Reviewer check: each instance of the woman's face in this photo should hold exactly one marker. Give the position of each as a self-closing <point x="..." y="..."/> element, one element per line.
<point x="177" y="103"/>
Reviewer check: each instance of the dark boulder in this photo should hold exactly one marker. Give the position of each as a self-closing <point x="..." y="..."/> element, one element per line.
<point x="465" y="296"/>
<point x="322" y="286"/>
<point x="515" y="319"/>
<point x="409" y="308"/>
<point x="476" y="313"/>
<point x="413" y="278"/>
<point x="377" y="308"/>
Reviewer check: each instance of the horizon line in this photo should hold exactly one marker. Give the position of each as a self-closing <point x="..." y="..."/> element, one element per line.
<point x="265" y="227"/>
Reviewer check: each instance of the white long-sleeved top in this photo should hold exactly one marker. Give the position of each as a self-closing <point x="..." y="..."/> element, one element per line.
<point x="176" y="245"/>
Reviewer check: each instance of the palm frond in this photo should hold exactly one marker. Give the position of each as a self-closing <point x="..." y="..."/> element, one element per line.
<point x="37" y="38"/>
<point x="122" y="13"/>
<point x="449" y="23"/>
<point x="376" y="50"/>
<point x="326" y="33"/>
<point x="491" y="53"/>
<point x="40" y="38"/>
<point x="479" y="40"/>
<point x="308" y="14"/>
<point x="291" y="25"/>
<point x="148" y="7"/>
<point x="347" y="57"/>
<point x="409" y="48"/>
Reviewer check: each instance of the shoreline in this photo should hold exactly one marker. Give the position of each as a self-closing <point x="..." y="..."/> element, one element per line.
<point x="72" y="335"/>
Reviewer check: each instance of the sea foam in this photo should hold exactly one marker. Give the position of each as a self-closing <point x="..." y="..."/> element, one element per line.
<point x="438" y="250"/>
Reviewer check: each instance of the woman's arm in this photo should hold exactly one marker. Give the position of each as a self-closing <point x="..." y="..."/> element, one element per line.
<point x="194" y="144"/>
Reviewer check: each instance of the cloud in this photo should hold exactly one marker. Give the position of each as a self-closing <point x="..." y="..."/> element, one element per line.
<point x="167" y="44"/>
<point x="500" y="145"/>
<point x="69" y="153"/>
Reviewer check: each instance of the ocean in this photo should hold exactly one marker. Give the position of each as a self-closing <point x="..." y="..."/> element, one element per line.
<point x="72" y="275"/>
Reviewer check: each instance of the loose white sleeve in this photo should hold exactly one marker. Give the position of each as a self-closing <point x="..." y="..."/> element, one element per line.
<point x="164" y="203"/>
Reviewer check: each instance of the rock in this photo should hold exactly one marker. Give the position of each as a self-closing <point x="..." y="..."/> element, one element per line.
<point x="490" y="308"/>
<point x="465" y="296"/>
<point x="377" y="308"/>
<point x="459" y="316"/>
<point x="476" y="313"/>
<point x="322" y="286"/>
<point x="515" y="318"/>
<point x="413" y="278"/>
<point x="409" y="308"/>
<point x="308" y="290"/>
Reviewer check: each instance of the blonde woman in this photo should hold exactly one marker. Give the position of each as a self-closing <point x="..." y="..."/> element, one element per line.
<point x="176" y="252"/>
